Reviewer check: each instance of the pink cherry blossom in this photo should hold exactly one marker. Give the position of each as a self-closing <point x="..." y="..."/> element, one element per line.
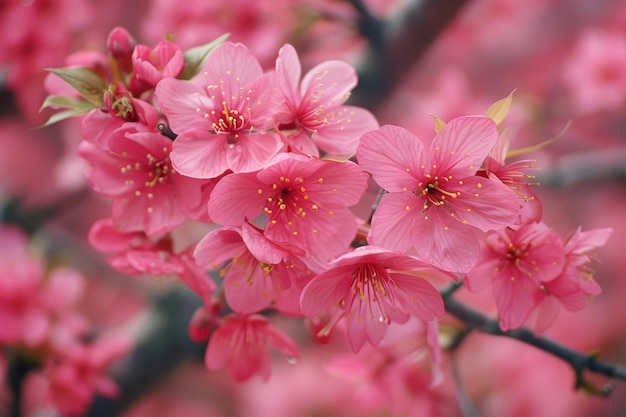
<point x="221" y="116"/>
<point x="257" y="272"/>
<point x="304" y="200"/>
<point x="517" y="176"/>
<point x="121" y="44"/>
<point x="595" y="73"/>
<point x="519" y="264"/>
<point x="240" y="344"/>
<point x="576" y="283"/>
<point x="98" y="125"/>
<point x="135" y="253"/>
<point x="435" y="201"/>
<point x="311" y="112"/>
<point x="148" y="194"/>
<point x="152" y="65"/>
<point x="372" y="287"/>
<point x="80" y="372"/>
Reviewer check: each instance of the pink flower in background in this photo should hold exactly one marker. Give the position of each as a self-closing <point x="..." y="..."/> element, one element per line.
<point x="80" y="372"/>
<point x="595" y="73"/>
<point x="518" y="264"/>
<point x="221" y="116"/>
<point x="305" y="201"/>
<point x="240" y="344"/>
<point x="372" y="287"/>
<point x="257" y="272"/>
<point x="435" y="201"/>
<point x="311" y="113"/>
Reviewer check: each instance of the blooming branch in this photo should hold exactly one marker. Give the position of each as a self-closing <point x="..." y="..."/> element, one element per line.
<point x="475" y="320"/>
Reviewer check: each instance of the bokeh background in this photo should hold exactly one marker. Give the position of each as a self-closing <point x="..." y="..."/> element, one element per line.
<point x="566" y="62"/>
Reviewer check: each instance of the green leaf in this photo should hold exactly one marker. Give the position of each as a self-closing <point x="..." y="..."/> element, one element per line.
<point x="86" y="81"/>
<point x="65" y="103"/>
<point x="66" y="114"/>
<point x="74" y="106"/>
<point x="196" y="57"/>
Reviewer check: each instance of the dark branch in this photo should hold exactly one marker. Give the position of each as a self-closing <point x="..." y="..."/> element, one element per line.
<point x="396" y="45"/>
<point x="579" y="362"/>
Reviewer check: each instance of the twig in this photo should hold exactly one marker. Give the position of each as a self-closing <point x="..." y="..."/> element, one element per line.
<point x="578" y="361"/>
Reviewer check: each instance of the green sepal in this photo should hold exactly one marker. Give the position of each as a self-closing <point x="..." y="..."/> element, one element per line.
<point x="498" y="110"/>
<point x="86" y="81"/>
<point x="439" y="124"/>
<point x="196" y="57"/>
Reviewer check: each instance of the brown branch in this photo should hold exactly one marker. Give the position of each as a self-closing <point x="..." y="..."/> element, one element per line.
<point x="396" y="45"/>
<point x="579" y="362"/>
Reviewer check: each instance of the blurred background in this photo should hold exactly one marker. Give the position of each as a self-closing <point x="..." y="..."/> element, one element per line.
<point x="566" y="62"/>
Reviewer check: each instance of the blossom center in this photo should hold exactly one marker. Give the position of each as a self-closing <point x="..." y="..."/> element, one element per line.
<point x="434" y="192"/>
<point x="229" y="121"/>
<point x="372" y="287"/>
<point x="159" y="171"/>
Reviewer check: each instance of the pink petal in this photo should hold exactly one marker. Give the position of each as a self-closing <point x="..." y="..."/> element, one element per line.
<point x="288" y="72"/>
<point x="261" y="248"/>
<point x="391" y="154"/>
<point x="515" y="299"/>
<point x="482" y="275"/>
<point x="302" y="143"/>
<point x="200" y="154"/>
<point x="460" y="148"/>
<point x="128" y="215"/>
<point x="329" y="83"/>
<point x="326" y="290"/>
<point x="247" y="288"/>
<point x="365" y="325"/>
<point x="218" y="246"/>
<point x="179" y="101"/>
<point x="230" y="67"/>
<point x="104" y="237"/>
<point x="418" y="297"/>
<point x="64" y="287"/>
<point x="236" y="198"/>
<point x="445" y="242"/>
<point x="337" y="184"/>
<point x="282" y="343"/>
<point x="346" y="125"/>
<point x="104" y="173"/>
<point x="486" y="204"/>
<point x="543" y="316"/>
<point x="252" y="151"/>
<point x="393" y="223"/>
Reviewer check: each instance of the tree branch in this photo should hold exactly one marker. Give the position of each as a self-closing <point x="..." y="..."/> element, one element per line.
<point x="396" y="45"/>
<point x="578" y="361"/>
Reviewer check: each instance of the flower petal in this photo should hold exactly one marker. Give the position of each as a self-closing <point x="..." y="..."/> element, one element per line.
<point x="460" y="148"/>
<point x="391" y="154"/>
<point x="200" y="154"/>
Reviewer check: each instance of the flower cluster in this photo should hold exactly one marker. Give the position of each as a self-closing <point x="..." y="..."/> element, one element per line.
<point x="271" y="162"/>
<point x="41" y="330"/>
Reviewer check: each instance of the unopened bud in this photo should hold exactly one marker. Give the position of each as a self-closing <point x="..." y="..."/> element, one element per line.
<point x="120" y="43"/>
